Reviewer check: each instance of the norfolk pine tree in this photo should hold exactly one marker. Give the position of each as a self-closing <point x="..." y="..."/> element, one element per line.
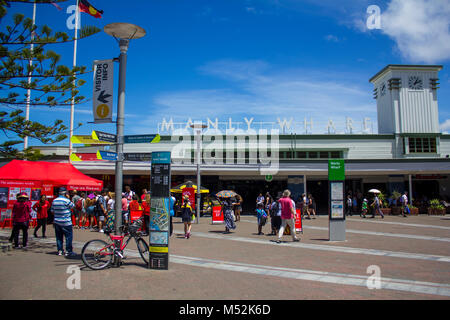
<point x="52" y="84"/>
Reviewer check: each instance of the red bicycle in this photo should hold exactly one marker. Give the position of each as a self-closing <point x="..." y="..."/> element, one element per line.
<point x="98" y="254"/>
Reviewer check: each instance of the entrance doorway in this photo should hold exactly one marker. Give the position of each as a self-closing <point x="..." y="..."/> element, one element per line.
<point x="319" y="191"/>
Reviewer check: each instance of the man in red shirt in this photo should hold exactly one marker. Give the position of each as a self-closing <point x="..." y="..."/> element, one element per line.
<point x="287" y="216"/>
<point x="21" y="216"/>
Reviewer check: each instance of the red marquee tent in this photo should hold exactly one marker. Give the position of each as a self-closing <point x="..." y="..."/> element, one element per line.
<point x="50" y="173"/>
<point x="38" y="178"/>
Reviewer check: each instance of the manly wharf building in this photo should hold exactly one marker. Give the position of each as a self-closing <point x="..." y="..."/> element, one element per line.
<point x="408" y="153"/>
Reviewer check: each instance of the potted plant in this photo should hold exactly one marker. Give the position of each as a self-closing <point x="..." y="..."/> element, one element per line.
<point x="396" y="209"/>
<point x="414" y="211"/>
<point x="436" y="208"/>
<point x="384" y="206"/>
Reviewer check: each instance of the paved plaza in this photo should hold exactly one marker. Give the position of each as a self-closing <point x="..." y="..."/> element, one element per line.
<point x="412" y="255"/>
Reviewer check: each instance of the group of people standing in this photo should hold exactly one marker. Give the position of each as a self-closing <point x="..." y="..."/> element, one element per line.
<point x="282" y="211"/>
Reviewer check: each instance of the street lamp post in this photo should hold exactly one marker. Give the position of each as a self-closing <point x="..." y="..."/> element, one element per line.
<point x="123" y="32"/>
<point x="198" y="127"/>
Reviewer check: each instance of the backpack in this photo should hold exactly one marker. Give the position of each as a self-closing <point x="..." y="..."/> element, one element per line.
<point x="79" y="204"/>
<point x="98" y="208"/>
<point x="275" y="208"/>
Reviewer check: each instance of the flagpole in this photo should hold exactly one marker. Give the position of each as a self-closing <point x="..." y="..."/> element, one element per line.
<point x="72" y="106"/>
<point x="27" y="109"/>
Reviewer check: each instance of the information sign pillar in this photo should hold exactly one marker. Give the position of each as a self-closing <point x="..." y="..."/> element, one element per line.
<point x="336" y="202"/>
<point x="159" y="210"/>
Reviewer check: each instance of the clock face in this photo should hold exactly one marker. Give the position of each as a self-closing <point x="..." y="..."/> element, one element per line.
<point x="383" y="89"/>
<point x="415" y="83"/>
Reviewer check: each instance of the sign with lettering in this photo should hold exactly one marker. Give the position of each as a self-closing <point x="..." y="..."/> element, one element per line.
<point x="160" y="210"/>
<point x="104" y="136"/>
<point x="336" y="170"/>
<point x="103" y="91"/>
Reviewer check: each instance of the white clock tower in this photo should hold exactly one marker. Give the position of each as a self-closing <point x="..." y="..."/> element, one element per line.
<point x="406" y="99"/>
<point x="407" y="104"/>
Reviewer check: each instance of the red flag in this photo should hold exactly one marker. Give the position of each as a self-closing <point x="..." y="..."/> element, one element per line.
<point x="86" y="7"/>
<point x="56" y="6"/>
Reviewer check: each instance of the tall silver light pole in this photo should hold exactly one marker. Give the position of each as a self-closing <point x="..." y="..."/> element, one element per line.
<point x="198" y="127"/>
<point x="123" y="32"/>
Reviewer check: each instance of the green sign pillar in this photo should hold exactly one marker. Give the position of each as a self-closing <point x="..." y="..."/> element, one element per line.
<point x="336" y="202"/>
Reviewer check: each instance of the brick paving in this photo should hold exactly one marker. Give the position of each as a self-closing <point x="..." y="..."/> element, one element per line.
<point x="219" y="272"/>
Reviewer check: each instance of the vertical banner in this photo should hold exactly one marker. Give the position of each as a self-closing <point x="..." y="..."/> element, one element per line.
<point x="190" y="192"/>
<point x="159" y="210"/>
<point x="298" y="221"/>
<point x="102" y="97"/>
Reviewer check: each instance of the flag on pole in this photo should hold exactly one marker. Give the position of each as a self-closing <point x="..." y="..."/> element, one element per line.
<point x="86" y="7"/>
<point x="56" y="5"/>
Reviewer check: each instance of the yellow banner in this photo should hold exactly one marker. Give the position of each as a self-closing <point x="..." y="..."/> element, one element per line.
<point x="88" y="140"/>
<point x="159" y="249"/>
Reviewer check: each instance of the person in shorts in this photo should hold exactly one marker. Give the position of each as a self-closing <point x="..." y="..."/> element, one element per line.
<point x="101" y="212"/>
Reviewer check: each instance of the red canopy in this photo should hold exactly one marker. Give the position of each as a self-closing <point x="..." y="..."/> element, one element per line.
<point x="58" y="174"/>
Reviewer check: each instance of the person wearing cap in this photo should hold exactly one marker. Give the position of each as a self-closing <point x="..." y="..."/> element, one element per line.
<point x="62" y="210"/>
<point x="364" y="208"/>
<point x="21" y="216"/>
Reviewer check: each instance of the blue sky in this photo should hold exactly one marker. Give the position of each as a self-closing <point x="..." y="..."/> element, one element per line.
<point x="261" y="59"/>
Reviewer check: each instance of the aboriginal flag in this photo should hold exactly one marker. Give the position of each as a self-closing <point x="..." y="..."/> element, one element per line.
<point x="86" y="7"/>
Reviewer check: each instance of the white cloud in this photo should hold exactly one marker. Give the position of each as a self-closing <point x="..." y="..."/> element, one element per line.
<point x="264" y="92"/>
<point x="331" y="38"/>
<point x="420" y="28"/>
<point x="445" y="126"/>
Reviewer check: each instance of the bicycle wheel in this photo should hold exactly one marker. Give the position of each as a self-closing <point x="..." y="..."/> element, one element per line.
<point x="97" y="254"/>
<point x="143" y="249"/>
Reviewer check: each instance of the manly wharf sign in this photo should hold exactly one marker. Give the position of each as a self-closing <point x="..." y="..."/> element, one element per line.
<point x="285" y="126"/>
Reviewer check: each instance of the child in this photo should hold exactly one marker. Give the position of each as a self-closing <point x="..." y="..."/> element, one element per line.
<point x="262" y="217"/>
<point x="364" y="208"/>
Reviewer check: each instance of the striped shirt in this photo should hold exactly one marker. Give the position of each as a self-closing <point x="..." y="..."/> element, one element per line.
<point x="61" y="208"/>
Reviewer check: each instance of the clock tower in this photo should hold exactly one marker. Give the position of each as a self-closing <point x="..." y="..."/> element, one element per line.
<point x="407" y="104"/>
<point x="406" y="99"/>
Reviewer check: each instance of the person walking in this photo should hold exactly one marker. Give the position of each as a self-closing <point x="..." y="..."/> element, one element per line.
<point x="267" y="202"/>
<point x="61" y="209"/>
<point x="186" y="216"/>
<point x="261" y="216"/>
<point x="311" y="206"/>
<point x="111" y="214"/>
<point x="83" y="214"/>
<point x="348" y="205"/>
<point x="404" y="199"/>
<point x="89" y="207"/>
<point x="227" y="209"/>
<point x="364" y="208"/>
<point x="238" y="207"/>
<point x="101" y="209"/>
<point x="260" y="199"/>
<point x="304" y="206"/>
<point x="21" y="216"/>
<point x="287" y="216"/>
<point x="276" y="215"/>
<point x="77" y="209"/>
<point x="376" y="207"/>
<point x="41" y="209"/>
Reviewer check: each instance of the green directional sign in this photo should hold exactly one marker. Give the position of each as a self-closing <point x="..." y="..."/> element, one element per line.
<point x="143" y="138"/>
<point x="336" y="170"/>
